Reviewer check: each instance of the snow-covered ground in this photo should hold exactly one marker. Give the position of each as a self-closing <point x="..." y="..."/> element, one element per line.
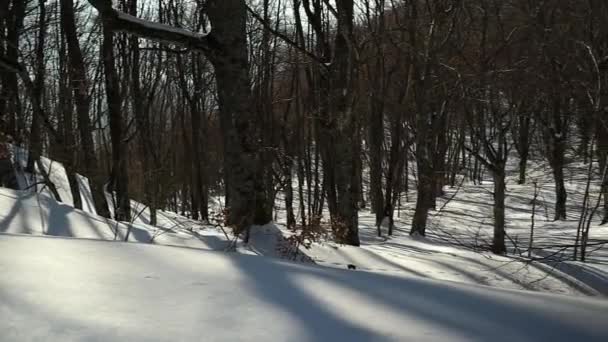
<point x="442" y="287"/>
<point x="56" y="289"/>
<point x="464" y="217"/>
<point x="461" y="227"/>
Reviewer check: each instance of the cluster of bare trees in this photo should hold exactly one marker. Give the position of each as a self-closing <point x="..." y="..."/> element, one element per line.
<point x="175" y="102"/>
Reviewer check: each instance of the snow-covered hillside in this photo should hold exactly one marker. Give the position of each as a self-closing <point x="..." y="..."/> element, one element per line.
<point x="463" y="217"/>
<point x="56" y="289"/>
<point x="63" y="284"/>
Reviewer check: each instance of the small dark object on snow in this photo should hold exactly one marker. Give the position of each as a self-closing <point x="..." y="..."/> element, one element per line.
<point x="352" y="267"/>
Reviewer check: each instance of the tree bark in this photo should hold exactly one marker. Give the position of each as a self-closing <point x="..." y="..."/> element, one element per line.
<point x="120" y="179"/>
<point x="229" y="58"/>
<point x="80" y="85"/>
<point x="12" y="112"/>
<point x="498" y="242"/>
<point x="35" y="139"/>
<point x="602" y="156"/>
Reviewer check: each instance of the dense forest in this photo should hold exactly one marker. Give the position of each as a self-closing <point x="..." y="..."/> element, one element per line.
<point x="328" y="107"/>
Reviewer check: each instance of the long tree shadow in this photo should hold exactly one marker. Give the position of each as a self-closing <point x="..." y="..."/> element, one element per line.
<point x="15" y="211"/>
<point x="386" y="263"/>
<point x="279" y="289"/>
<point x="461" y="271"/>
<point x="474" y="312"/>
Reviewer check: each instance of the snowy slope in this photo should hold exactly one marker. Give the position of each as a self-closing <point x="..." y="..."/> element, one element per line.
<point x="55" y="289"/>
<point x="30" y="213"/>
<point x="57" y="175"/>
<point x="462" y="225"/>
<point x="463" y="217"/>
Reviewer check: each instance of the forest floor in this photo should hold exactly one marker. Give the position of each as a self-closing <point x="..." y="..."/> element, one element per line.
<point x="58" y="275"/>
<point x="453" y="250"/>
<point x="60" y="289"/>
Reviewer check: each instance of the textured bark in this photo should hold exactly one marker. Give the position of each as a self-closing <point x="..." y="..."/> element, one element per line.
<point x="424" y="189"/>
<point x="229" y="58"/>
<point x="375" y="141"/>
<point x="337" y="127"/>
<point x="197" y="176"/>
<point x="226" y="48"/>
<point x="120" y="179"/>
<point x="523" y="145"/>
<point x="555" y="145"/>
<point x="560" y="192"/>
<point x="345" y="133"/>
<point x="66" y="151"/>
<point x="35" y="138"/>
<point x="291" y="219"/>
<point x="79" y="81"/>
<point x="11" y="113"/>
<point x="602" y="156"/>
<point x="498" y="242"/>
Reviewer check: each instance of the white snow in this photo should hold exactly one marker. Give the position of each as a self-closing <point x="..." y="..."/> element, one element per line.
<point x="61" y="282"/>
<point x="56" y="289"/>
<point x="159" y="27"/>
<point x="465" y="217"/>
<point x="28" y="213"/>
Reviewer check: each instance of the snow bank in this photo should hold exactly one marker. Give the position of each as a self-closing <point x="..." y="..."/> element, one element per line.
<point x="38" y="214"/>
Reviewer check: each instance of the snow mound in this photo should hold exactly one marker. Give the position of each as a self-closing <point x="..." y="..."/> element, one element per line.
<point x="24" y="212"/>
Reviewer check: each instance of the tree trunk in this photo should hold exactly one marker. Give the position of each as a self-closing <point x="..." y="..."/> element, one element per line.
<point x="80" y="86"/>
<point x="375" y="141"/>
<point x="602" y="156"/>
<point x="523" y="146"/>
<point x="65" y="151"/>
<point x="35" y="139"/>
<point x="523" y="162"/>
<point x="12" y="112"/>
<point x="343" y="127"/>
<point x="234" y="95"/>
<point x="291" y="219"/>
<point x="498" y="242"/>
<point x="560" y="193"/>
<point x="556" y="147"/>
<point x="120" y="178"/>
<point x="424" y="190"/>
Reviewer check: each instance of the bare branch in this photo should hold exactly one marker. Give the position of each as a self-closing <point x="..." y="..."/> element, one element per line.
<point x="123" y="22"/>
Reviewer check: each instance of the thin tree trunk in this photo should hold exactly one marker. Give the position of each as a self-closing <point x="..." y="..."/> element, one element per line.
<point x="80" y="86"/>
<point x="35" y="138"/>
<point x="602" y="156"/>
<point x="10" y="84"/>
<point x="498" y="242"/>
<point x="560" y="192"/>
<point x="120" y="178"/>
<point x="291" y="219"/>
